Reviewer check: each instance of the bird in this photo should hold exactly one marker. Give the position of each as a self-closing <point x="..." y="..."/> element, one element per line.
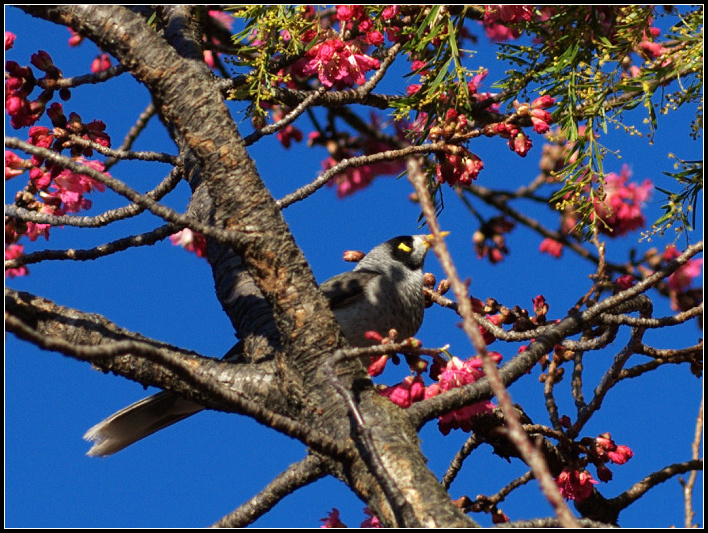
<point x="383" y="292"/>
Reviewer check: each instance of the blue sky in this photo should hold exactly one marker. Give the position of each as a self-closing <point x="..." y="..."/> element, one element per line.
<point x="192" y="474"/>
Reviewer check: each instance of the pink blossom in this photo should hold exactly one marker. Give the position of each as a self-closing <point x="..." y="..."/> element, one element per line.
<point x="372" y="521"/>
<point x="389" y="12"/>
<point x="475" y="82"/>
<point x="507" y="13"/>
<point x="377" y="365"/>
<point x="190" y="241"/>
<point x="625" y="282"/>
<point x="620" y="455"/>
<point x="683" y="276"/>
<point x="543" y="102"/>
<point x="458" y="170"/>
<point x="19" y="83"/>
<point x="552" y="247"/>
<point x="408" y="391"/>
<point x="101" y="63"/>
<point x="40" y="178"/>
<point x="14" y="165"/>
<point x="650" y="49"/>
<point x="489" y="240"/>
<point x="9" y="40"/>
<point x="222" y="18"/>
<point x="336" y="64"/>
<point x="540" y="305"/>
<point x="71" y="187"/>
<point x="497" y="16"/>
<point x="541" y="120"/>
<point x="621" y="211"/>
<point x="520" y="144"/>
<point x="13" y="251"/>
<point x="354" y="179"/>
<point x="456" y="374"/>
<point x="499" y="33"/>
<point x="575" y="485"/>
<point x="606" y="449"/>
<point x="287" y="134"/>
<point x="375" y="38"/>
<point x="75" y="39"/>
<point x="346" y="13"/>
<point x="332" y="520"/>
<point x="488" y="336"/>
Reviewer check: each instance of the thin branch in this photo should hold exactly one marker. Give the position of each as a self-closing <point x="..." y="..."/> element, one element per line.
<point x="637" y="490"/>
<point x="322" y="179"/>
<point x="610" y="378"/>
<point x="76" y="81"/>
<point x="134" y="131"/>
<point x="688" y="485"/>
<point x="287" y="119"/>
<point x="298" y="475"/>
<point x="102" y="250"/>
<point x="678" y="318"/>
<point x="472" y="443"/>
<point x="123" y="154"/>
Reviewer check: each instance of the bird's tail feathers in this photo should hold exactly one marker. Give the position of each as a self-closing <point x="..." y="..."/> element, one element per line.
<point x="137" y="421"/>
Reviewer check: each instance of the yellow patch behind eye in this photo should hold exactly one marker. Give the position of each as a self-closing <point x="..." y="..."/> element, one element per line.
<point x="403" y="246"/>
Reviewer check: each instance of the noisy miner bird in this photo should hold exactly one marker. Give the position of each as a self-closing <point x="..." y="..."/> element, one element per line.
<point x="383" y="292"/>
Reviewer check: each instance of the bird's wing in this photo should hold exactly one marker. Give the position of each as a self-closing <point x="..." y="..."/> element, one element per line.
<point x="346" y="287"/>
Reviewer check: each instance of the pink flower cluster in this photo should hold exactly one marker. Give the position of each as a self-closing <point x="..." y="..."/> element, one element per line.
<point x="683" y="296"/>
<point x="496" y="18"/>
<point x="100" y="63"/>
<point x="575" y="484"/>
<point x="19" y="84"/>
<point x="222" y="20"/>
<point x="407" y="392"/>
<point x="9" y="40"/>
<point x="605" y="450"/>
<point x="333" y="520"/>
<point x="456" y="374"/>
<point x="287" y="134"/>
<point x="682" y="278"/>
<point x="60" y="190"/>
<point x="458" y="169"/>
<point x="540" y="118"/>
<point x="621" y="211"/>
<point x="13" y="251"/>
<point x="336" y="64"/>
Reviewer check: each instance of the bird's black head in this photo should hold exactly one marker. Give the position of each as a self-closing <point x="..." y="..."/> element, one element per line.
<point x="409" y="249"/>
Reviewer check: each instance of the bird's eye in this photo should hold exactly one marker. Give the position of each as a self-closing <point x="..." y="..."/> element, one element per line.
<point x="404" y="247"/>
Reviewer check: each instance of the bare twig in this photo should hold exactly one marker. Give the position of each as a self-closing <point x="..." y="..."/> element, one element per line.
<point x="302" y="473"/>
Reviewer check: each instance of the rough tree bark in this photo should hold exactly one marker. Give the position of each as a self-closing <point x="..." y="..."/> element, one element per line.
<point x="382" y="462"/>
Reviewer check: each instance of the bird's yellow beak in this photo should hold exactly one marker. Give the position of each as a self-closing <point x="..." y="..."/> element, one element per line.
<point x="430" y="239"/>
